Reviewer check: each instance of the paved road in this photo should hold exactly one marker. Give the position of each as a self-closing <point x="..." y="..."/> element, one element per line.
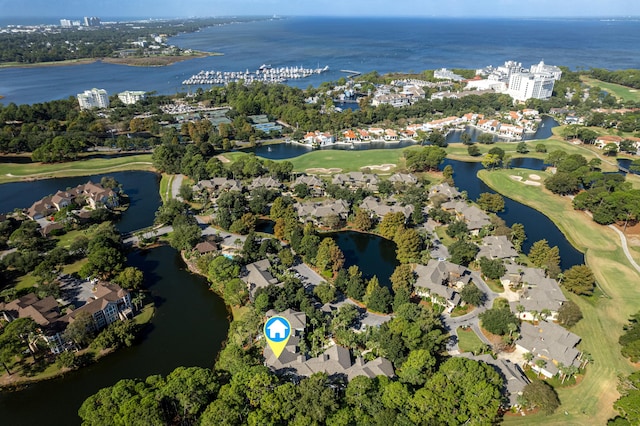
<point x="176" y="183"/>
<point x="471" y="319"/>
<point x="625" y="248"/>
<point x="133" y="239"/>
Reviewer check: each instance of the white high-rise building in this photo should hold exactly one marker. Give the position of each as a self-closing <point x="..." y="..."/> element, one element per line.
<point x="94" y="98"/>
<point x="526" y="85"/>
<point x="65" y="23"/>
<point x="543" y="68"/>
<point x="130" y="97"/>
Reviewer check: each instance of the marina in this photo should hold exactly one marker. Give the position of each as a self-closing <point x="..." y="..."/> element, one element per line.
<point x="265" y="74"/>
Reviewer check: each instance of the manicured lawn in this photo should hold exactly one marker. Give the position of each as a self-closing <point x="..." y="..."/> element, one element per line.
<point x="591" y="401"/>
<point x="13" y="172"/>
<point x="619" y="91"/>
<point x="165" y="187"/>
<point x="345" y="160"/>
<point x="468" y="341"/>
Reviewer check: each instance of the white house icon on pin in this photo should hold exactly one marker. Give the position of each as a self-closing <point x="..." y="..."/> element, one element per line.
<point x="277" y="330"/>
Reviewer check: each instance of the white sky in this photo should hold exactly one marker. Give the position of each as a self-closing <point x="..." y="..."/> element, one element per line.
<point x="429" y="8"/>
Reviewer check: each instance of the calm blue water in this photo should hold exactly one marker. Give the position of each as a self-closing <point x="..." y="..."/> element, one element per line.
<point x="141" y="187"/>
<point x="380" y="44"/>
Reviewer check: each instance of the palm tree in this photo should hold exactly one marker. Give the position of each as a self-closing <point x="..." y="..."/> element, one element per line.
<point x="585" y="359"/>
<point x="528" y="357"/>
<point x="540" y="363"/>
<point x="545" y="313"/>
<point x="520" y="308"/>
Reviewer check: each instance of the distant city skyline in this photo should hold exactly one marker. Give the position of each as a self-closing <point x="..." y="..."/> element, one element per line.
<point x="351" y="8"/>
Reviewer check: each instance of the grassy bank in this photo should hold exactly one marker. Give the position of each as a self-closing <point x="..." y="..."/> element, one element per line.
<point x="15" y="172"/>
<point x="591" y="401"/>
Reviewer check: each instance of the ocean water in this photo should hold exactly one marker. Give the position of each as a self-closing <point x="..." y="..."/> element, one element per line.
<point x="364" y="45"/>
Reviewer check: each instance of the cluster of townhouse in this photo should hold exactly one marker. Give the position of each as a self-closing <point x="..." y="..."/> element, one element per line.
<point x="335" y="361"/>
<point x="89" y="196"/>
<point x="105" y="303"/>
<point x="404" y="92"/>
<point x="511" y="125"/>
<point x="534" y="297"/>
<point x="604" y="140"/>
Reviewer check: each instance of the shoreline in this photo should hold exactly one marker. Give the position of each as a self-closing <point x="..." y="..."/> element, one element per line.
<point x="24" y="381"/>
<point x="132" y="62"/>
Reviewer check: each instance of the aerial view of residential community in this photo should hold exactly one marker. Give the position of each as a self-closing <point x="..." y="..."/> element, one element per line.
<point x="367" y="217"/>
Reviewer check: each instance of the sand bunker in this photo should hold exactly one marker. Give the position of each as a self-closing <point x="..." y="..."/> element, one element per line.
<point x="381" y="167"/>
<point x="223" y="159"/>
<point x="322" y="170"/>
<point x="533" y="182"/>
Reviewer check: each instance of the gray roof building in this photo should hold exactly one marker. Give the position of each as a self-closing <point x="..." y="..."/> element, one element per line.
<point x="257" y="276"/>
<point x="550" y="342"/>
<point x="497" y="247"/>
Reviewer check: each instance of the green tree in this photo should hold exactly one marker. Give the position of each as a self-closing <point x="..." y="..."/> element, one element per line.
<point x="390" y="224"/>
<point x="130" y="278"/>
<point x="538" y="394"/>
<point x="518" y="236"/>
<point x="543" y="256"/>
<point x="462" y="252"/>
<point x="630" y="339"/>
<point x="472" y="295"/>
<point x="541" y="148"/>
<point x="222" y="269"/>
<point x="497" y="320"/>
<point x="458" y="229"/>
<point x="418" y="368"/>
<point x="362" y="220"/>
<point x="473" y="151"/>
<point x="491" y="161"/>
<point x="579" y="279"/>
<point x="491" y="202"/>
<point x="403" y="277"/>
<point x="492" y="269"/>
<point x="409" y="245"/>
<point x="80" y="330"/>
<point x="329" y="256"/>
<point x="629" y="401"/>
<point x="522" y="148"/>
<point x="325" y="292"/>
<point x="569" y="313"/>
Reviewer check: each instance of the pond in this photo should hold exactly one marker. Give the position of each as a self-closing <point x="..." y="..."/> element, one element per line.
<point x="537" y="226"/>
<point x="373" y="254"/>
<point x="141" y="187"/>
<point x="188" y="329"/>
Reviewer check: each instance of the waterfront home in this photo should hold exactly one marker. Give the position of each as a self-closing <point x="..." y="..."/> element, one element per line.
<point x="511" y="131"/>
<point x="442" y="123"/>
<point x="350" y="136"/>
<point x="538" y="293"/>
<point x="473" y="216"/>
<point x="90" y="194"/>
<point x="105" y="302"/>
<point x="108" y="303"/>
<point x="450" y="192"/>
<point x="256" y="275"/>
<point x="317" y="212"/>
<point x="390" y="135"/>
<point x="207" y="246"/>
<point x="378" y="209"/>
<point x="489" y="125"/>
<point x="364" y="135"/>
<point x="551" y="343"/>
<point x="319" y="138"/>
<point x="376" y="132"/>
<point x="496" y="247"/>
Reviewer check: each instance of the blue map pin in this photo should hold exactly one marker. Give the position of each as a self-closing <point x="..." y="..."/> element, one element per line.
<point x="277" y="331"/>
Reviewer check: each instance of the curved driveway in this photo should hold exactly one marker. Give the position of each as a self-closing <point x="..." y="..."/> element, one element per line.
<point x="471" y="319"/>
